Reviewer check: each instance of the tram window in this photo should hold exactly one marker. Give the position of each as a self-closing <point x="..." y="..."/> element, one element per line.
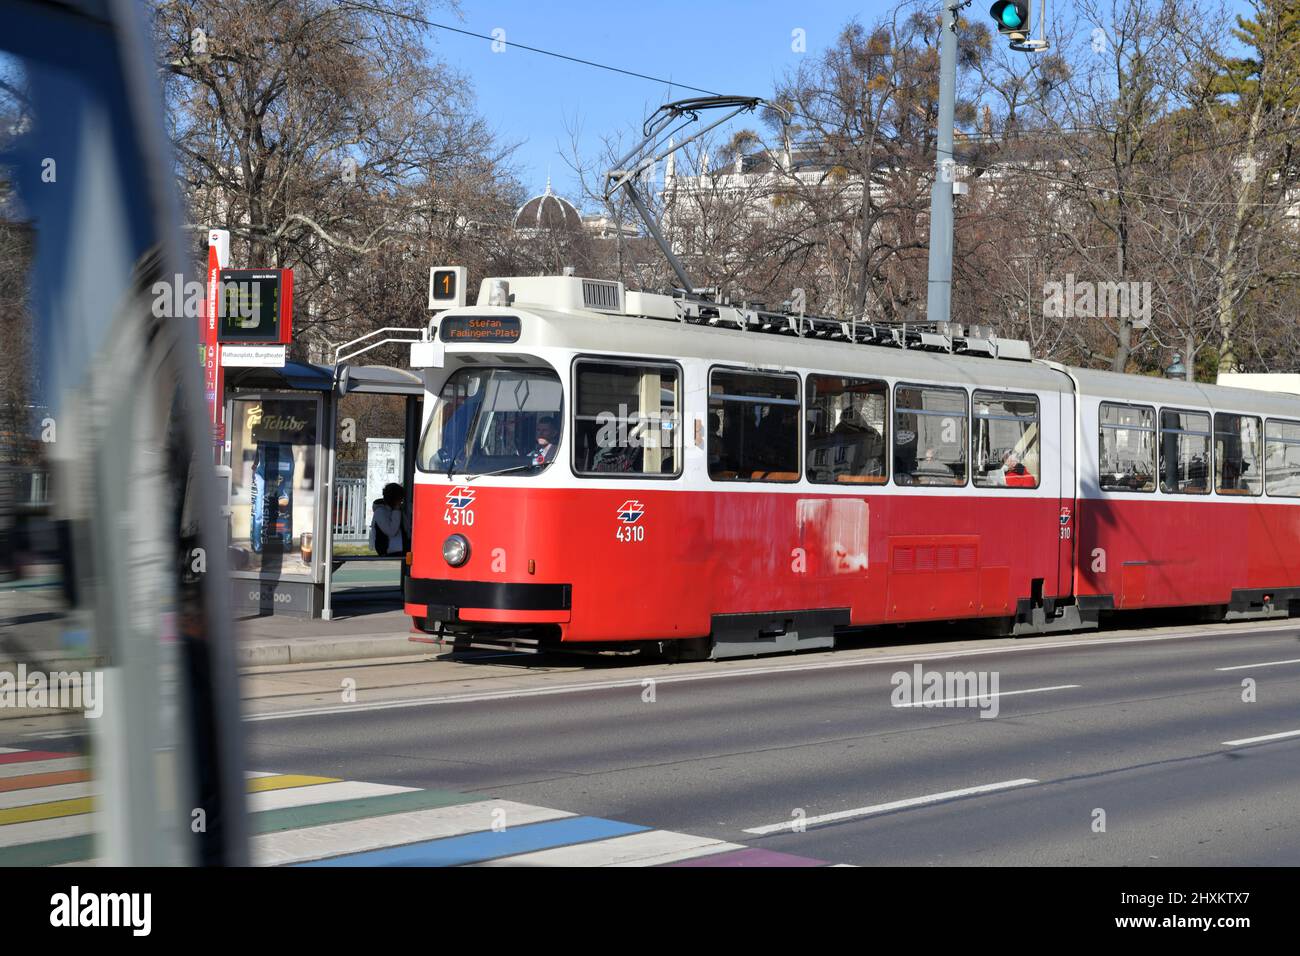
<point x="1127" y="460"/>
<point x="625" y="419"/>
<point x="1237" y="455"/>
<point x="1184" y="452"/>
<point x="1004" y="444"/>
<point x="753" y="426"/>
<point x="1282" y="454"/>
<point x="846" y="430"/>
<point x="929" y="435"/>
<point x="494" y="420"/>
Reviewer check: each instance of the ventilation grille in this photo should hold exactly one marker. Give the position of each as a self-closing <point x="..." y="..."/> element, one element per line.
<point x="601" y="296"/>
<point x="942" y="557"/>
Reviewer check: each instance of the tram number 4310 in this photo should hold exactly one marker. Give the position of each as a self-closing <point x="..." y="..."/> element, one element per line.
<point x="458" y="516"/>
<point x="631" y="532"/>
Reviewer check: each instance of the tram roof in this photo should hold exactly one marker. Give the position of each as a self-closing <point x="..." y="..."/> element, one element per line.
<point x="635" y="335"/>
<point x="662" y="338"/>
<point x="1150" y="390"/>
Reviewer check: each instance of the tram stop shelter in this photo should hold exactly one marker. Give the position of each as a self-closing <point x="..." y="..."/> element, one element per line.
<point x="279" y="459"/>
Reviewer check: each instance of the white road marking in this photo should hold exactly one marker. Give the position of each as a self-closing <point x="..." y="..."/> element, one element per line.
<point x="634" y="849"/>
<point x="1259" y="740"/>
<point x="34" y="795"/>
<point x="318" y="793"/>
<point x="1246" y="667"/>
<point x="1005" y="693"/>
<point x="637" y="682"/>
<point x="886" y="807"/>
<point x="395" y="829"/>
<point x="35" y="831"/>
<point x="24" y="768"/>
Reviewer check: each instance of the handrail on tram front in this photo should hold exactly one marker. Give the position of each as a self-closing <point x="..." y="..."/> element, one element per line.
<point x="422" y="333"/>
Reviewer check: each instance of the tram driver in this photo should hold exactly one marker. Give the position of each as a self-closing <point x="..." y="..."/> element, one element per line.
<point x="547" y="432"/>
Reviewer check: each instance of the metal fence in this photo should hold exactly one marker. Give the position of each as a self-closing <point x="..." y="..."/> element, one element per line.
<point x="351" y="514"/>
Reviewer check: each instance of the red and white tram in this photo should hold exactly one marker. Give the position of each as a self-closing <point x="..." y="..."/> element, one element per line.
<point x="601" y="466"/>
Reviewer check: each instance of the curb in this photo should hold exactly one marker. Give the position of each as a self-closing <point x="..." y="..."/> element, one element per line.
<point x="313" y="650"/>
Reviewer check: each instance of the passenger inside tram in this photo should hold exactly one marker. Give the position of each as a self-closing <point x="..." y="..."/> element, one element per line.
<point x="717" y="447"/>
<point x="1014" y="473"/>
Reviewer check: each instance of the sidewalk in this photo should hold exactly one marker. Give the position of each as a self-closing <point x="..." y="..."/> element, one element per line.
<point x="364" y="627"/>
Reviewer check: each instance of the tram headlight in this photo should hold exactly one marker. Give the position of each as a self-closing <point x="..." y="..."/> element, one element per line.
<point x="456" y="550"/>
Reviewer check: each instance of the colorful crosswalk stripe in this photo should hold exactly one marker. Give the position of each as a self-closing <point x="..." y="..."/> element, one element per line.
<point x="25" y="756"/>
<point x="300" y="816"/>
<point x="33" y="781"/>
<point x="283" y="781"/>
<point x="485" y="845"/>
<point x="47" y="818"/>
<point x="46" y="811"/>
<point x="377" y="833"/>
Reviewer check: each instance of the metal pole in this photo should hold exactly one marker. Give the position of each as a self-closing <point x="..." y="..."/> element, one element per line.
<point x="414" y="413"/>
<point x="658" y="236"/>
<point x="939" y="293"/>
<point x="332" y="404"/>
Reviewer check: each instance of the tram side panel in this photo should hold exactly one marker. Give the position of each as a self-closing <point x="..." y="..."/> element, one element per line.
<point x="608" y="560"/>
<point x="1147" y="549"/>
<point x="884" y="557"/>
<point x="972" y="552"/>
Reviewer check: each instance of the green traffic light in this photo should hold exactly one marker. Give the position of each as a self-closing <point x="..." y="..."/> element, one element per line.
<point x="1011" y="16"/>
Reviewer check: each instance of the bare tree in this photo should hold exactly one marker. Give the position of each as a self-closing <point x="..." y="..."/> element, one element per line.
<point x="325" y="137"/>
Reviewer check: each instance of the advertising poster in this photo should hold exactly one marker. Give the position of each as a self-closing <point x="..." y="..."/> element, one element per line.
<point x="273" y="484"/>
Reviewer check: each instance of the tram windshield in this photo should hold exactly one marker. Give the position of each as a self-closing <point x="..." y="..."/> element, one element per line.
<point x="494" y="420"/>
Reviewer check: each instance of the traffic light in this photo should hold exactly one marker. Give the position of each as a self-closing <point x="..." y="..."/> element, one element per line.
<point x="1012" y="17"/>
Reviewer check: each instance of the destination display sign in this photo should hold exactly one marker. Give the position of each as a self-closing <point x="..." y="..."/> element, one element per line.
<point x="479" y="328"/>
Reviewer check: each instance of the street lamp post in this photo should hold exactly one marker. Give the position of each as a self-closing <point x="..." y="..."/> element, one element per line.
<point x="938" y="300"/>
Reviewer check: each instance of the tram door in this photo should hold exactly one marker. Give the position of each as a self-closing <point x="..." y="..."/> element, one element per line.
<point x="1067" y="503"/>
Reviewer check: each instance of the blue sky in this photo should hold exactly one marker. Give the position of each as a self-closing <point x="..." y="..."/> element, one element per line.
<point x="731" y="46"/>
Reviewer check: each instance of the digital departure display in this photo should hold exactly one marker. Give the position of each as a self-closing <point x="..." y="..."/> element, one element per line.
<point x="254" y="305"/>
<point x="479" y="328"/>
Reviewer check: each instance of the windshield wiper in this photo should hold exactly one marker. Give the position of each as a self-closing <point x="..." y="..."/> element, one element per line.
<point x="503" y="471"/>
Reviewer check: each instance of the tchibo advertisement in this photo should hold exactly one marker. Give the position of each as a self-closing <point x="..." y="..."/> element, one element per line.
<point x="273" y="484"/>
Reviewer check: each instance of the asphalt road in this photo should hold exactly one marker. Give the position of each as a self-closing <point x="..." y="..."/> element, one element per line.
<point x="1144" y="731"/>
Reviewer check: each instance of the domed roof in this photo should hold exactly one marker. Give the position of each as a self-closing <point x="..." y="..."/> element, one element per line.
<point x="548" y="211"/>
